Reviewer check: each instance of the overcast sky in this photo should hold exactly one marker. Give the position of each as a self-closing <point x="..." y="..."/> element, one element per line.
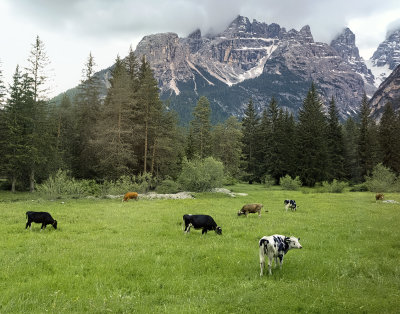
<point x="71" y="29"/>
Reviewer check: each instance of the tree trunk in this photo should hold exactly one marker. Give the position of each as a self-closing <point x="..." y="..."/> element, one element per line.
<point x="154" y="157"/>
<point x="145" y="146"/>
<point x="13" y="183"/>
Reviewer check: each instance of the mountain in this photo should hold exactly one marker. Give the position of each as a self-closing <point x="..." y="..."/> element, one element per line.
<point x="255" y="60"/>
<point x="345" y="45"/>
<point x="386" y="58"/>
<point x="389" y="91"/>
<point x="258" y="61"/>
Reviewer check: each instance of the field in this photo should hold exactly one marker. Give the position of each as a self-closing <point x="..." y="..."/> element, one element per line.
<point x="109" y="256"/>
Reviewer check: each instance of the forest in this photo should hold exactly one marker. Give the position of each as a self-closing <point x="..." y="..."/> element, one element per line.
<point x="131" y="133"/>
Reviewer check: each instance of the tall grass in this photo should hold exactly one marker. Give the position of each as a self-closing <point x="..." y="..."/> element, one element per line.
<point x="108" y="256"/>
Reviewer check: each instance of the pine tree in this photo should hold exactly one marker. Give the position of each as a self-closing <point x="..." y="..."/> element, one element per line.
<point x="148" y="113"/>
<point x="250" y="127"/>
<point x="389" y="130"/>
<point x="112" y="140"/>
<point x="87" y="108"/>
<point x="335" y="144"/>
<point x="3" y="90"/>
<point x="311" y="140"/>
<point x="351" y="165"/>
<point x="227" y="145"/>
<point x="201" y="128"/>
<point x="368" y="140"/>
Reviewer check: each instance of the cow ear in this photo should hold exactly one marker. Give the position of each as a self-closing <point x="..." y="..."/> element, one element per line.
<point x="298" y="239"/>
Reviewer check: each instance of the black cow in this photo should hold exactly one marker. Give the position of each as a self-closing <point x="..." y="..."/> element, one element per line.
<point x="204" y="222"/>
<point x="43" y="218"/>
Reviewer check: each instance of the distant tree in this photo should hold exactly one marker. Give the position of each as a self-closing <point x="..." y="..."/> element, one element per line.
<point x="87" y="107"/>
<point x="227" y="145"/>
<point x="3" y="90"/>
<point x="200" y="129"/>
<point x="250" y="129"/>
<point x="335" y="144"/>
<point x="148" y="113"/>
<point x="368" y="145"/>
<point x="351" y="164"/>
<point x="389" y="140"/>
<point x="312" y="151"/>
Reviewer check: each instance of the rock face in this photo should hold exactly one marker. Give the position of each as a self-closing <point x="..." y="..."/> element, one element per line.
<point x="259" y="61"/>
<point x="389" y="91"/>
<point x="345" y="46"/>
<point x="386" y="58"/>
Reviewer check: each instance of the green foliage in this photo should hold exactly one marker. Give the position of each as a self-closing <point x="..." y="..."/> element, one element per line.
<point x="168" y="186"/>
<point x="268" y="181"/>
<point x="334" y="187"/>
<point x="287" y="183"/>
<point x="201" y="175"/>
<point x="382" y="179"/>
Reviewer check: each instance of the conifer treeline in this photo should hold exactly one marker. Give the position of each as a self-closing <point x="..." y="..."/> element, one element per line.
<point x="131" y="132"/>
<point x="317" y="147"/>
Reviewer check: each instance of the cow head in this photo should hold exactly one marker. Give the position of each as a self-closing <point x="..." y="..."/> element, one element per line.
<point x="293" y="243"/>
<point x="218" y="230"/>
<point x="240" y="213"/>
<point x="54" y="224"/>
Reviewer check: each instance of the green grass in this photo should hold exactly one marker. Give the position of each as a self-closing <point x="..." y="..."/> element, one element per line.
<point x="109" y="256"/>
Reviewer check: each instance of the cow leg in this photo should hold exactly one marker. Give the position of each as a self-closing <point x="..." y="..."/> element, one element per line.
<point x="43" y="226"/>
<point x="28" y="224"/>
<point x="270" y="258"/>
<point x="204" y="231"/>
<point x="280" y="261"/>
<point x="187" y="228"/>
<point x="259" y="214"/>
<point x="262" y="260"/>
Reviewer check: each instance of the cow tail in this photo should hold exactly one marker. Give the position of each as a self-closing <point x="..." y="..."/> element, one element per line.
<point x="264" y="246"/>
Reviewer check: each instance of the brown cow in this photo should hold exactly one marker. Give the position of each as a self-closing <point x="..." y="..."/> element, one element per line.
<point x="250" y="208"/>
<point x="379" y="197"/>
<point x="130" y="195"/>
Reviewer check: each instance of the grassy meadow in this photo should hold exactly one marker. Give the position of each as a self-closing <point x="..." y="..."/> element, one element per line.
<point x="109" y="256"/>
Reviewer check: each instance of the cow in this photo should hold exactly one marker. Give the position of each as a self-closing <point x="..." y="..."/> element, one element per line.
<point x="129" y="196"/>
<point x="250" y="208"/>
<point x="204" y="222"/>
<point x="276" y="246"/>
<point x="290" y="204"/>
<point x="379" y="196"/>
<point x="43" y="218"/>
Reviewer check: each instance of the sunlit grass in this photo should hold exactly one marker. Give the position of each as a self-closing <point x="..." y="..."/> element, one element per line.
<point x="109" y="256"/>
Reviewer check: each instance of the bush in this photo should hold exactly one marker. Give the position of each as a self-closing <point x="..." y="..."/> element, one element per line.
<point x="201" y="175"/>
<point x="268" y="181"/>
<point x="381" y="180"/>
<point x="334" y="187"/>
<point x="61" y="184"/>
<point x="359" y="188"/>
<point x="287" y="183"/>
<point x="168" y="186"/>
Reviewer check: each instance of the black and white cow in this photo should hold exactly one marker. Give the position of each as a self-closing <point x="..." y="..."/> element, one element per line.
<point x="43" y="218"/>
<point x="204" y="222"/>
<point x="276" y="246"/>
<point x="290" y="204"/>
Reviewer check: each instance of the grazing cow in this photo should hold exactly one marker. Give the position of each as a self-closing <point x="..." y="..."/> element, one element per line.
<point x="129" y="196"/>
<point x="379" y="196"/>
<point x="290" y="204"/>
<point x="43" y="218"/>
<point x="250" y="208"/>
<point x="276" y="246"/>
<point x="203" y="222"/>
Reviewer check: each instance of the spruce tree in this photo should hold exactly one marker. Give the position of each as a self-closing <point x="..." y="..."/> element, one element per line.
<point x="250" y="127"/>
<point x="351" y="165"/>
<point x="200" y="129"/>
<point x="312" y="151"/>
<point x="87" y="107"/>
<point x="389" y="130"/>
<point x="112" y="139"/>
<point x="3" y="90"/>
<point x="335" y="144"/>
<point x="368" y="140"/>
<point x="148" y="114"/>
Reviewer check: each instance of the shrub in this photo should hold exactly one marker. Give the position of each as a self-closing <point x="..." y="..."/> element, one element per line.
<point x="168" y="186"/>
<point x="287" y="183"/>
<point x="334" y="187"/>
<point x="381" y="180"/>
<point x="201" y="175"/>
<point x="268" y="180"/>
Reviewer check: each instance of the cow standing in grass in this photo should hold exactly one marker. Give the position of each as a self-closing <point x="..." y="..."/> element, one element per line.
<point x="43" y="218"/>
<point x="130" y="195"/>
<point x="204" y="222"/>
<point x="290" y="204"/>
<point x="276" y="246"/>
<point x="250" y="208"/>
